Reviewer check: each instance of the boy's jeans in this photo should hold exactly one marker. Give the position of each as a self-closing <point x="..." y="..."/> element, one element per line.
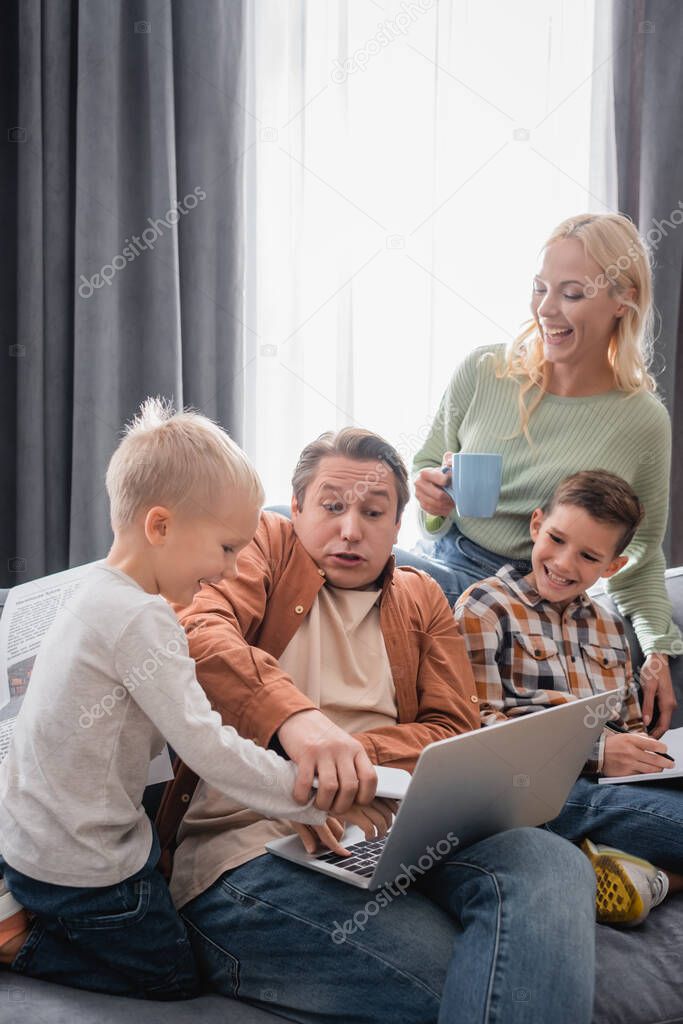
<point x="124" y="939"/>
<point x="502" y="932"/>
<point x="644" y="819"/>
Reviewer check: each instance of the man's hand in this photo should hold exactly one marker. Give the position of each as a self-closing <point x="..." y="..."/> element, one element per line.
<point x="655" y="681"/>
<point x="374" y="819"/>
<point x="429" y="484"/>
<point x="316" y="836"/>
<point x="319" y="747"/>
<point x="633" y="753"/>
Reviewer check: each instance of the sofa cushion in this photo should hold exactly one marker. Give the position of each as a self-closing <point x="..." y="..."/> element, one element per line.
<point x="27" y="1001"/>
<point x="640" y="970"/>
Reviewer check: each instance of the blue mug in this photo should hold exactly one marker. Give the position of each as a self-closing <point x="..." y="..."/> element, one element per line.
<point x="475" y="483"/>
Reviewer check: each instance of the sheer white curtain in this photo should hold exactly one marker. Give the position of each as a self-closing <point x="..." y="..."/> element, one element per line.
<point x="404" y="162"/>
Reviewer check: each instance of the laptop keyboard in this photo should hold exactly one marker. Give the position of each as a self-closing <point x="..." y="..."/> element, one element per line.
<point x="363" y="859"/>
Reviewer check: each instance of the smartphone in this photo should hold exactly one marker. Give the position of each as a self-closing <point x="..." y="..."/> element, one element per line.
<point x="392" y="783"/>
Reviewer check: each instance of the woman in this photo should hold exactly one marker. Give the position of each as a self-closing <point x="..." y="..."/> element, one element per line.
<point x="573" y="392"/>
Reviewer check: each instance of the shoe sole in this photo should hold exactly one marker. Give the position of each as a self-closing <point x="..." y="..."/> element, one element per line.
<point x="617" y="901"/>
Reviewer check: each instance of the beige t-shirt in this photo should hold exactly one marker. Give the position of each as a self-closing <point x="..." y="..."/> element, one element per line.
<point x="338" y="659"/>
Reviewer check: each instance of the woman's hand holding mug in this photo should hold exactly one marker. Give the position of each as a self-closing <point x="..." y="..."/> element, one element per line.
<point x="472" y="483"/>
<point x="429" y="489"/>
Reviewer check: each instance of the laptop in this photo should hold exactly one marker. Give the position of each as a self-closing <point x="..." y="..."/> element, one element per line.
<point x="466" y="788"/>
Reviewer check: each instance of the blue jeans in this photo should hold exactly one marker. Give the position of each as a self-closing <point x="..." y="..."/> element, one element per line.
<point x="469" y="562"/>
<point x="486" y="936"/>
<point x="643" y="819"/>
<point x="125" y="939"/>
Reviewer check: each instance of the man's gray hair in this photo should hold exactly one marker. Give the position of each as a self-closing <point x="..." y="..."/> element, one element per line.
<point x="350" y="443"/>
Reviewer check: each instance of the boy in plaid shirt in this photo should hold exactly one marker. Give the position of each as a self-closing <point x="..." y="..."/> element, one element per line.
<point x="538" y="640"/>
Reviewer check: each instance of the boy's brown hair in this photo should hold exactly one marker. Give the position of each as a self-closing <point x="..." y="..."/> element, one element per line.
<point x="604" y="496"/>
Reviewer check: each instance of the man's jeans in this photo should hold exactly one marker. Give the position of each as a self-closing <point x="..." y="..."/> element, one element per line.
<point x="502" y="932"/>
<point x="468" y="561"/>
<point x="644" y="819"/>
<point x="124" y="939"/>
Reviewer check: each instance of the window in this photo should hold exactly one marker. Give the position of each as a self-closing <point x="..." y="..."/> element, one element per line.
<point x="405" y="163"/>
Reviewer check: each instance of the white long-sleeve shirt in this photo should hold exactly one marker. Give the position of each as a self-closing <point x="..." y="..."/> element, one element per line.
<point x="112" y="681"/>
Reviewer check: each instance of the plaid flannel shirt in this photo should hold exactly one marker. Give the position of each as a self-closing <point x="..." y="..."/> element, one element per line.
<point x="527" y="655"/>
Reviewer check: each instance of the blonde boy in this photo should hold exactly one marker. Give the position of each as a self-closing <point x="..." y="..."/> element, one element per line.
<point x="112" y="681"/>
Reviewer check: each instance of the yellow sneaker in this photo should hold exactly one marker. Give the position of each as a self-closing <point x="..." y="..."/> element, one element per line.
<point x="628" y="888"/>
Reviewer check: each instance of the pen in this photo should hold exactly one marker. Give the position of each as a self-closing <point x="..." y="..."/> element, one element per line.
<point x="617" y="727"/>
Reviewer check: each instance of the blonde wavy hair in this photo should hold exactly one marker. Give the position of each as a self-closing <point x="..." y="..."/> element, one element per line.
<point x="616" y="246"/>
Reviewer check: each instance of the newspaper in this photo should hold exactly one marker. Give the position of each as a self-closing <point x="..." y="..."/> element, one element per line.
<point x="29" y="611"/>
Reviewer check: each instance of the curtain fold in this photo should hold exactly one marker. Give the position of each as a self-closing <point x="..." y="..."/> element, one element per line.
<point x="128" y="160"/>
<point x="648" y="91"/>
<point x="8" y="237"/>
<point x="407" y="162"/>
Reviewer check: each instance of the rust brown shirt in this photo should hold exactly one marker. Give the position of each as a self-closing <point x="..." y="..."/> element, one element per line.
<point x="238" y="629"/>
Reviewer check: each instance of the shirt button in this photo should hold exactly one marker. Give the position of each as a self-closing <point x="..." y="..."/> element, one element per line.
<point x="474" y="698"/>
<point x="299" y="609"/>
<point x="573" y="657"/>
<point x="321" y="572"/>
<point x="605" y="661"/>
<point x="185" y="798"/>
<point x="537" y="653"/>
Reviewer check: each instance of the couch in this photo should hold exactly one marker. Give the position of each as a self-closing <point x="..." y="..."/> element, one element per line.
<point x="640" y="971"/>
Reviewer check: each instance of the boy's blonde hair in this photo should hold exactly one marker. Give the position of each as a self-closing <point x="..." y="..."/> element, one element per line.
<point x="167" y="457"/>
<point x="624" y="260"/>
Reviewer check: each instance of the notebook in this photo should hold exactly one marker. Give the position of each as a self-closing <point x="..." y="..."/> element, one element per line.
<point x="674" y="742"/>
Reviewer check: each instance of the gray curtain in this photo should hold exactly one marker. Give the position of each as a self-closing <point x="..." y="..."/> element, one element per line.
<point x="121" y="258"/>
<point x="648" y="90"/>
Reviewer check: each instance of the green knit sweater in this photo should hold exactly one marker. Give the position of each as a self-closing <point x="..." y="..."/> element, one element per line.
<point x="626" y="434"/>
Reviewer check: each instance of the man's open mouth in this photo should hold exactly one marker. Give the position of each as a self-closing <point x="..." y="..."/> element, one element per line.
<point x="348" y="557"/>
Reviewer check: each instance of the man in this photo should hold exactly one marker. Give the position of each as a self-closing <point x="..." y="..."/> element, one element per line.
<point x="325" y="649"/>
